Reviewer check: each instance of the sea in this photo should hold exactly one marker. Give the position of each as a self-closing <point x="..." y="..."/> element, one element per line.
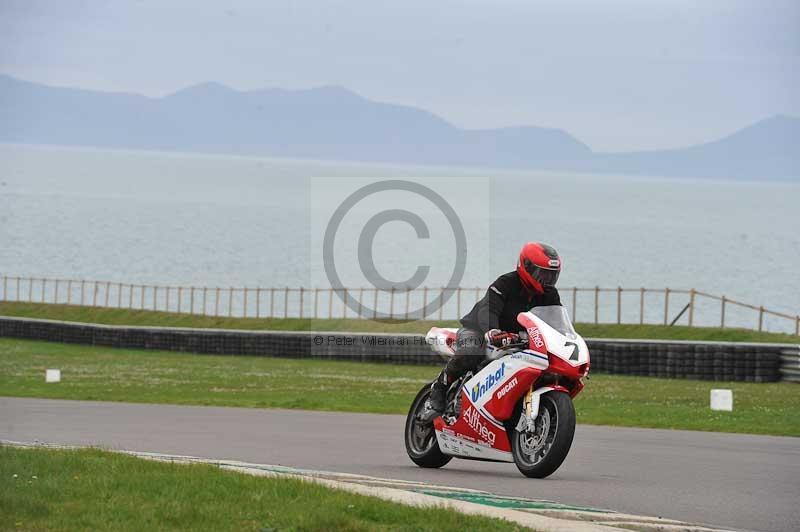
<point x="231" y="221"/>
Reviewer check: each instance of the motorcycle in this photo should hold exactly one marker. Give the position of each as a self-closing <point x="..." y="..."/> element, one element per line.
<point x="517" y="406"/>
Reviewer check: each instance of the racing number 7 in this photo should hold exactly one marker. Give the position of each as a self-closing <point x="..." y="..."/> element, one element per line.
<point x="574" y="355"/>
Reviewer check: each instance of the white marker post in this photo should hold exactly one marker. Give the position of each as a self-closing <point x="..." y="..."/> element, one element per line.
<point x="52" y="375"/>
<point x="722" y="400"/>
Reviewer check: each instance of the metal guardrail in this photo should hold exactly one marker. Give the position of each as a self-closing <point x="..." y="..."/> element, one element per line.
<point x="718" y="361"/>
<point x="790" y="364"/>
<point x="327" y="303"/>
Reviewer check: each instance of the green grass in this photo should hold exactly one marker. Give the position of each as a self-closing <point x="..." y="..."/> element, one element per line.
<point x="92" y="490"/>
<point x="101" y="373"/>
<point x="107" y="374"/>
<point x="164" y="319"/>
<point x="677" y="332"/>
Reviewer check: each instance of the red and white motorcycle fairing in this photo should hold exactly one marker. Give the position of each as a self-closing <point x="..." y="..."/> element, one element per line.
<point x="489" y="397"/>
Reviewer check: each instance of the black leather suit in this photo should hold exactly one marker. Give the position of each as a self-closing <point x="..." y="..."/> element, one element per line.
<point x="498" y="309"/>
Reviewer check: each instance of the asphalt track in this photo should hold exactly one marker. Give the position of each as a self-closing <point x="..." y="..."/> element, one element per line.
<point x="733" y="480"/>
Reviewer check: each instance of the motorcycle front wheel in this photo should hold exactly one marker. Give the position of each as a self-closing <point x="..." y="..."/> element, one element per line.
<point x="420" y="436"/>
<point x="540" y="452"/>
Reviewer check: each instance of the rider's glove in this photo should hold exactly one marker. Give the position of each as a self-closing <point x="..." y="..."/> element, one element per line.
<point x="498" y="338"/>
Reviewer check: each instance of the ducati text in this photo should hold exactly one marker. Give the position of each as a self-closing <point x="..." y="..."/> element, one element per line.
<point x="507" y="388"/>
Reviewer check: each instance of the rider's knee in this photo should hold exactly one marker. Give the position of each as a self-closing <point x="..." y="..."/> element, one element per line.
<point x="469" y="342"/>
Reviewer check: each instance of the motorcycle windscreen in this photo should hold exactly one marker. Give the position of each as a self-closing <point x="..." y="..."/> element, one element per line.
<point x="556" y="317"/>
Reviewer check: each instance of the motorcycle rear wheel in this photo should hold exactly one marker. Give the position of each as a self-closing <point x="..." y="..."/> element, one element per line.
<point x="420" y="437"/>
<point x="539" y="453"/>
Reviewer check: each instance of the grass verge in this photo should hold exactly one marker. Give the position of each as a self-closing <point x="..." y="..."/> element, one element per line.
<point x="94" y="490"/>
<point x="166" y="319"/>
<point x="107" y="374"/>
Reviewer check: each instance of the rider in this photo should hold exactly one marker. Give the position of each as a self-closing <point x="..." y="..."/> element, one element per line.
<point x="493" y="319"/>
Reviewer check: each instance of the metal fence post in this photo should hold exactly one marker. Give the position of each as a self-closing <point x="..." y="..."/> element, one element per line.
<point x="108" y="289"/>
<point x="286" y="302"/>
<point x="360" y="303"/>
<point x="408" y="297"/>
<point x="191" y="300"/>
<point x="302" y="290"/>
<point x="55" y="296"/>
<point x="155" y="297"/>
<point x="246" y="290"/>
<point x="16" y="294"/>
<point x="797" y="326"/>
<point x="691" y="307"/>
<point x="230" y="302"/>
<point x="344" y="302"/>
<point x="760" y="318"/>
<point x="258" y="302"/>
<point x="69" y="291"/>
<point x="458" y="302"/>
<point x="424" y="302"/>
<point x="619" y="305"/>
<point x="722" y="314"/>
<point x="330" y="303"/>
<point x="119" y="295"/>
<point x="441" y="303"/>
<point x="130" y="296"/>
<point x="180" y="299"/>
<point x="574" y="303"/>
<point x="44" y="287"/>
<point x="641" y="306"/>
<point x="166" y="302"/>
<point x="5" y="288"/>
<point x="271" y="302"/>
<point x="94" y="295"/>
<point x="666" y="305"/>
<point x="391" y="304"/>
<point x="205" y="299"/>
<point x="30" y="289"/>
<point x="596" y="303"/>
<point x="83" y="290"/>
<point x="216" y="302"/>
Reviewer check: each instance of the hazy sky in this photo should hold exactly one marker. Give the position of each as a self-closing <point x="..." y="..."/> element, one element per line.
<point x="618" y="75"/>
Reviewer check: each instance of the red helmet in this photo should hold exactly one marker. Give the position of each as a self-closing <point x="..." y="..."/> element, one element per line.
<point x="538" y="266"/>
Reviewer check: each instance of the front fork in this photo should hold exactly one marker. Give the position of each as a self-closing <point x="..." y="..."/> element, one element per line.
<point x="530" y="408"/>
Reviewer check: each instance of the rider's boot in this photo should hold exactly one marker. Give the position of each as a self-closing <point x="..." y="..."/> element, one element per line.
<point x="437" y="400"/>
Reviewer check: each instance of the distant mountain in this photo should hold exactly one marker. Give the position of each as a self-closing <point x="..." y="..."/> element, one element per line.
<point x="769" y="149"/>
<point x="334" y="123"/>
